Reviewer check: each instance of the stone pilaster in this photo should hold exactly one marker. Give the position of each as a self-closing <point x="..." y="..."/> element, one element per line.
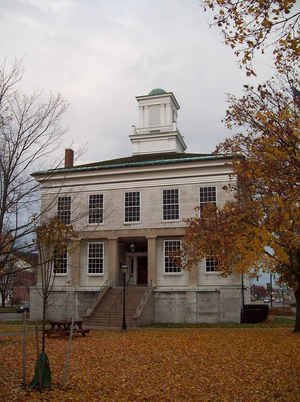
<point x="75" y="263"/>
<point x="152" y="268"/>
<point x="113" y="261"/>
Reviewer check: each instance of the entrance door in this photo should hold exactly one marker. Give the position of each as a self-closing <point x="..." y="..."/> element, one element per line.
<point x="142" y="270"/>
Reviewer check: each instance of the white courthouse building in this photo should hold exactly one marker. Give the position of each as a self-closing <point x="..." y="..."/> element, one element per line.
<point x="131" y="211"/>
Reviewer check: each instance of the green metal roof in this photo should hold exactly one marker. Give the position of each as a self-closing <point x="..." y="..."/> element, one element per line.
<point x="157" y="91"/>
<point x="137" y="161"/>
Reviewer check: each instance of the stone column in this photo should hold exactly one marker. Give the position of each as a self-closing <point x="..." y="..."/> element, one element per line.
<point x="152" y="268"/>
<point x="113" y="261"/>
<point x="169" y="115"/>
<point x="75" y="263"/>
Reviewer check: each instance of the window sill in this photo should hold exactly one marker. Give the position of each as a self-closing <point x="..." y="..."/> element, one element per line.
<point x="96" y="274"/>
<point x="95" y="224"/>
<point x="170" y="220"/>
<point x="173" y="273"/>
<point x="60" y="275"/>
<point x="131" y="223"/>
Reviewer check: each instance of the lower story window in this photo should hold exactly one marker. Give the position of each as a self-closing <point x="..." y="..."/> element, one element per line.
<point x="211" y="264"/>
<point x="96" y="258"/>
<point x="60" y="265"/>
<point x="171" y="251"/>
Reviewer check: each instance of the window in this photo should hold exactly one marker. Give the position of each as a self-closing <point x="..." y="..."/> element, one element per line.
<point x="170" y="204"/>
<point x="64" y="209"/>
<point x="171" y="250"/>
<point x="96" y="208"/>
<point x="132" y="207"/>
<point x="211" y="264"/>
<point x="60" y="265"/>
<point x="207" y="194"/>
<point x="96" y="258"/>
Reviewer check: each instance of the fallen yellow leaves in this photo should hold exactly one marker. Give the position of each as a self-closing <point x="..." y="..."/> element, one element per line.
<point x="167" y="365"/>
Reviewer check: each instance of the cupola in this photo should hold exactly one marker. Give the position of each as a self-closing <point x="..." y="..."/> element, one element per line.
<point x="157" y="128"/>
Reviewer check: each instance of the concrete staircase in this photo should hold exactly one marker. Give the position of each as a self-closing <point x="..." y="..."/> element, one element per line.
<point x="109" y="312"/>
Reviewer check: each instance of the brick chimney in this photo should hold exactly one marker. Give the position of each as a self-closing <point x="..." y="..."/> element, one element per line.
<point x="69" y="158"/>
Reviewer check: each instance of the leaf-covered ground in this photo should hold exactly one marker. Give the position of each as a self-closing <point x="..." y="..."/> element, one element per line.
<point x="162" y="365"/>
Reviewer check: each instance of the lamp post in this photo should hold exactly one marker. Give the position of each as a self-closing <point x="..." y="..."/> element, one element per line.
<point x="124" y="270"/>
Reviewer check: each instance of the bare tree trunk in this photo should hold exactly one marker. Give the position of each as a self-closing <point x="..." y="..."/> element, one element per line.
<point x="44" y="324"/>
<point x="69" y="346"/>
<point x="24" y="349"/>
<point x="68" y="354"/>
<point x="38" y="355"/>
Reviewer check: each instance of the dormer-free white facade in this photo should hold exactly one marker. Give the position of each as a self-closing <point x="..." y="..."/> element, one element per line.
<point x="131" y="212"/>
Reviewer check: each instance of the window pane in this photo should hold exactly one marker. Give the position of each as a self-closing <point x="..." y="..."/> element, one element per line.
<point x="132" y="207"/>
<point x="171" y="204"/>
<point x="207" y="194"/>
<point x="60" y="264"/>
<point x="171" y="247"/>
<point x="96" y="258"/>
<point x="211" y="264"/>
<point x="64" y="209"/>
<point x="96" y="208"/>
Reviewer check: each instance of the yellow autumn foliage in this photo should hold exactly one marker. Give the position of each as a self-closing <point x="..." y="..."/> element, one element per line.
<point x="252" y="26"/>
<point x="260" y="227"/>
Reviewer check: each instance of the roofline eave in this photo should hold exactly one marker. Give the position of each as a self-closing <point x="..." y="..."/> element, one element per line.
<point x="128" y="164"/>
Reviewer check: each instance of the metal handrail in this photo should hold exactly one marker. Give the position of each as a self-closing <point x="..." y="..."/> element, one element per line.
<point x="143" y="303"/>
<point x="98" y="299"/>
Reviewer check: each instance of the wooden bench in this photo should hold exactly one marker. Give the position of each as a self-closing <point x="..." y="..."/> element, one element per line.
<point x="63" y="328"/>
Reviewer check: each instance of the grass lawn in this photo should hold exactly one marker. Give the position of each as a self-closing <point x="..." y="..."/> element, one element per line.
<point x="278" y="322"/>
<point x="195" y="364"/>
<point x="17" y="326"/>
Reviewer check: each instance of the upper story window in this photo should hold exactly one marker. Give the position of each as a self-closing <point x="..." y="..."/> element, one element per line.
<point x="171" y="204"/>
<point x="96" y="208"/>
<point x="211" y="264"/>
<point x="207" y="194"/>
<point x="171" y="251"/>
<point x="132" y="206"/>
<point x="96" y="258"/>
<point x="64" y="209"/>
<point x="60" y="263"/>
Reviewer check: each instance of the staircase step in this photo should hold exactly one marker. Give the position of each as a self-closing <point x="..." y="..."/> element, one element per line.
<point x="110" y="311"/>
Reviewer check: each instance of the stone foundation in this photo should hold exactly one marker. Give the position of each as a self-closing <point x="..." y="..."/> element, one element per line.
<point x="62" y="304"/>
<point x="197" y="306"/>
<point x="167" y="306"/>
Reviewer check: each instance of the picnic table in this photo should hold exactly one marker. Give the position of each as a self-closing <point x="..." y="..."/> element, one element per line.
<point x="63" y="328"/>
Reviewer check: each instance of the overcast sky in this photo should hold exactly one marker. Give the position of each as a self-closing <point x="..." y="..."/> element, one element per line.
<point x="100" y="54"/>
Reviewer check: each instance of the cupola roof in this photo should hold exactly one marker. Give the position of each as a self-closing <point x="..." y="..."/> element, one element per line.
<point x="157" y="91"/>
